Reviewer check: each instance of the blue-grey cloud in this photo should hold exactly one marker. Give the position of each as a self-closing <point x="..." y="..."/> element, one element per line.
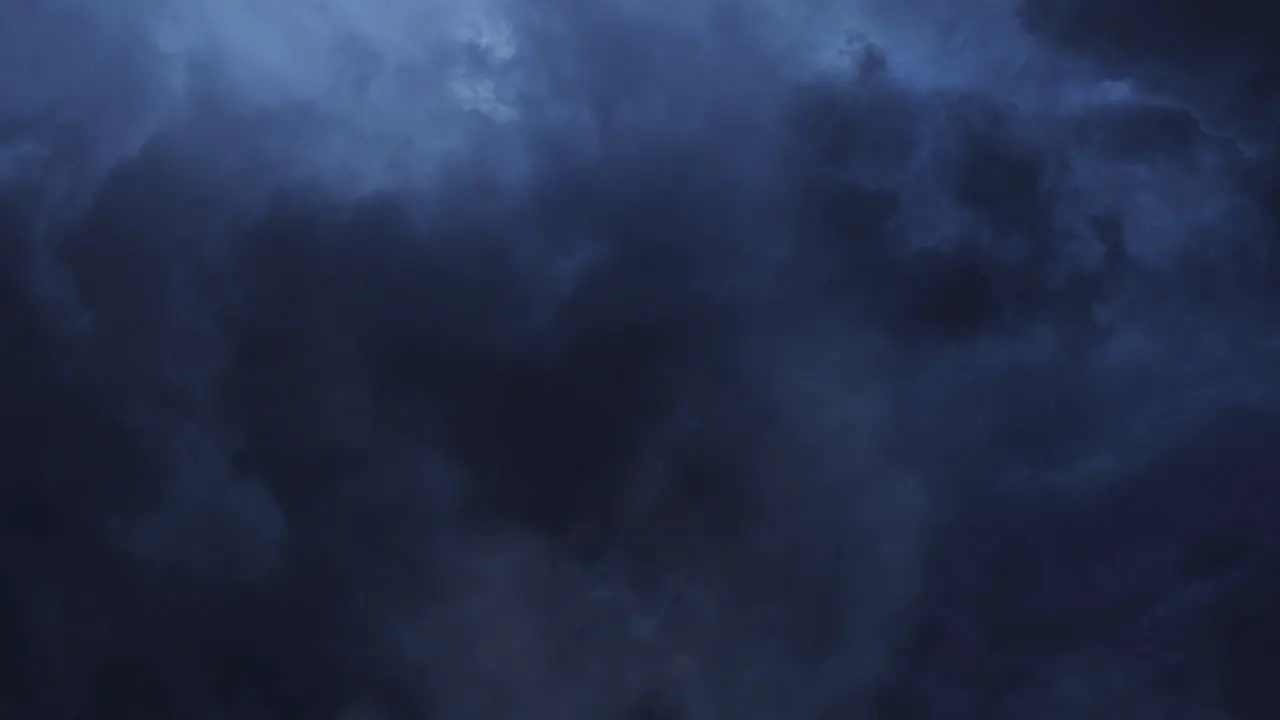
<point x="643" y="360"/>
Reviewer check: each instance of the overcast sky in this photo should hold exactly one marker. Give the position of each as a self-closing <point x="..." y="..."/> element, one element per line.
<point x="590" y="359"/>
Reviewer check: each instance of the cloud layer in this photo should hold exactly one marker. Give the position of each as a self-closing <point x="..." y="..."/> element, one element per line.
<point x="394" y="360"/>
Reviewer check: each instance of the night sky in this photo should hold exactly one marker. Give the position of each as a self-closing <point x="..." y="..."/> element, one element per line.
<point x="639" y="360"/>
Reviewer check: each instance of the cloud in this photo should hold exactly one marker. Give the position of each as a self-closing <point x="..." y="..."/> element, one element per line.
<point x="401" y="360"/>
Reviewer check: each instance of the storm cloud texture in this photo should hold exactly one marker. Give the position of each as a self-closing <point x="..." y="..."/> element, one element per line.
<point x="593" y="359"/>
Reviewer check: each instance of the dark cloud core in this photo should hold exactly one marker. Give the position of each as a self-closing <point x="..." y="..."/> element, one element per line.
<point x="589" y="360"/>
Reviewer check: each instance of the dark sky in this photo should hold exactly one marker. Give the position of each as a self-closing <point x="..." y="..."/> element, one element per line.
<point x="596" y="359"/>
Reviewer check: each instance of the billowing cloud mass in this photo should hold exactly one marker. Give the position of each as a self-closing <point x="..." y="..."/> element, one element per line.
<point x="591" y="359"/>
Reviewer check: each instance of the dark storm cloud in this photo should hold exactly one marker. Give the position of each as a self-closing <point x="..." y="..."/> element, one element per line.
<point x="592" y="360"/>
<point x="1217" y="55"/>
